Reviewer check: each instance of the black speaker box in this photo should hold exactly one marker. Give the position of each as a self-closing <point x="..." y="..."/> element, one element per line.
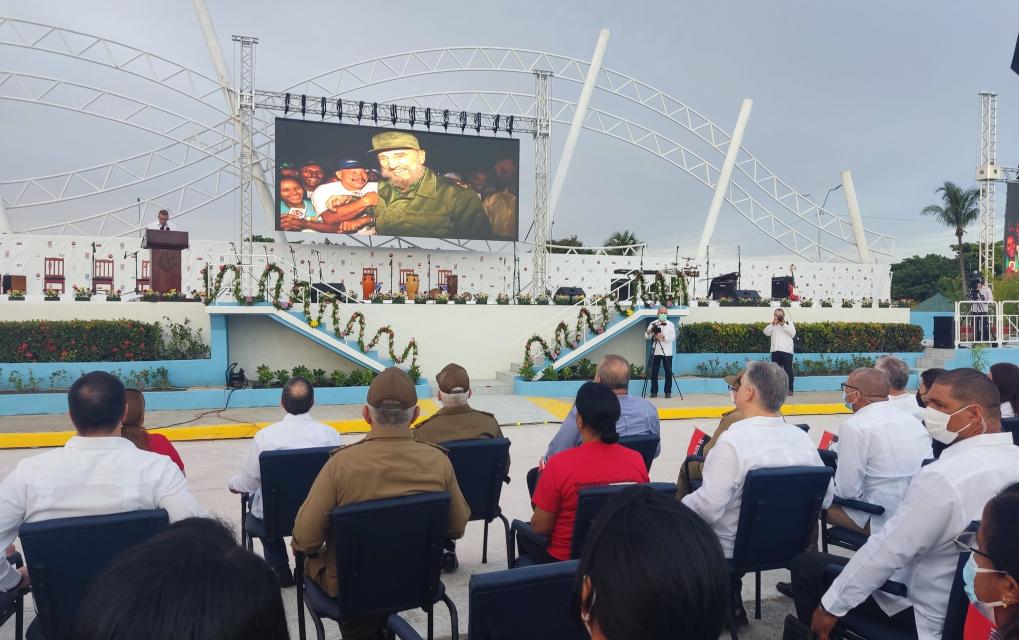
<point x="944" y="332"/>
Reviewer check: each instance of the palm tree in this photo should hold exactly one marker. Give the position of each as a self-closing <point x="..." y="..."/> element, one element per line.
<point x="622" y="239"/>
<point x="959" y="211"/>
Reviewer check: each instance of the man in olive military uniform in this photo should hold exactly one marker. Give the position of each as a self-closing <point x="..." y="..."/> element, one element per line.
<point x="387" y="463"/>
<point x="729" y="418"/>
<point x="415" y="201"/>
<point x="456" y="420"/>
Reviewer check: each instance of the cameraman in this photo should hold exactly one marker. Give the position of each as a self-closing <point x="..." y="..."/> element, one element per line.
<point x="782" y="332"/>
<point x="982" y="295"/>
<point x="662" y="335"/>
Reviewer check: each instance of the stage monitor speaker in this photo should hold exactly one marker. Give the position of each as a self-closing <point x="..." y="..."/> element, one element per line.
<point x="944" y="332"/>
<point x="570" y="292"/>
<point x="780" y="287"/>
<point x="747" y="294"/>
<point x="621" y="287"/>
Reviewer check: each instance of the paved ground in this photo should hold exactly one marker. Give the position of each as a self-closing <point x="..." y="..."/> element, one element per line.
<point x="209" y="465"/>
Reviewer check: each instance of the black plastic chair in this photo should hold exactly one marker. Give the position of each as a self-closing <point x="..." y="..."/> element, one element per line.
<point x="287" y="476"/>
<point x="589" y="504"/>
<point x="65" y="555"/>
<point x="12" y="603"/>
<point x="692" y="484"/>
<point x="853" y="626"/>
<point x="481" y="467"/>
<point x="531" y="603"/>
<point x="778" y="510"/>
<point x="841" y="536"/>
<point x="804" y="427"/>
<point x="388" y="559"/>
<point x="1010" y="425"/>
<point x="646" y="445"/>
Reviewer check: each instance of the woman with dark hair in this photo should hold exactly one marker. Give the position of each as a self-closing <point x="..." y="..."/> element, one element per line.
<point x="651" y="569"/>
<point x="191" y="581"/>
<point x="133" y="429"/>
<point x="1005" y="376"/>
<point x="598" y="460"/>
<point x="927" y="379"/>
<point x="994" y="562"/>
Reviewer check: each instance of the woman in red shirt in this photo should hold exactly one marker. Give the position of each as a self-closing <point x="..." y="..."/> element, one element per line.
<point x="598" y="460"/>
<point x="134" y="430"/>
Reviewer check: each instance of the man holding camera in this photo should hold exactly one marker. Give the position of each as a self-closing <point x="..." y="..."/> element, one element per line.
<point x="782" y="332"/>
<point x="662" y="335"/>
<point x="982" y="294"/>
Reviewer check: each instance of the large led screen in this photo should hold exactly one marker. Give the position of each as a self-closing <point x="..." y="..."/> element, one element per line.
<point x="1010" y="248"/>
<point x="351" y="179"/>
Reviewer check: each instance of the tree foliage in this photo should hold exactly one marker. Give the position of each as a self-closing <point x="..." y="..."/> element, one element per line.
<point x="622" y="239"/>
<point x="957" y="211"/>
<point x="918" y="278"/>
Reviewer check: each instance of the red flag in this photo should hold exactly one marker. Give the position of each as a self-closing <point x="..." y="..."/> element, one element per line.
<point x="827" y="440"/>
<point x="697" y="443"/>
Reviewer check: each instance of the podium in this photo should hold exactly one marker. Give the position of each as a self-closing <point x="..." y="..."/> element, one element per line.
<point x="165" y="264"/>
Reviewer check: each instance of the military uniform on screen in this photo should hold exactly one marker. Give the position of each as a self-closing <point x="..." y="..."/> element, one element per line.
<point x="435" y="206"/>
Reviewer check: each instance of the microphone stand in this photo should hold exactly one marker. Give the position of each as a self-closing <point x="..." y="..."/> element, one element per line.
<point x="93" y="274"/>
<point x="135" y="254"/>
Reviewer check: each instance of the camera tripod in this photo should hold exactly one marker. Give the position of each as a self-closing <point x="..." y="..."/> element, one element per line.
<point x="657" y="349"/>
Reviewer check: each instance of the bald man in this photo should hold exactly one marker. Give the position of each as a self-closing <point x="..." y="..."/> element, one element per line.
<point x="881" y="448"/>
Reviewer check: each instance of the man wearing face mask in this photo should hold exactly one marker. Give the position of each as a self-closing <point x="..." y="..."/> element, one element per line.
<point x="662" y="335"/>
<point x="915" y="546"/>
<point x="881" y="448"/>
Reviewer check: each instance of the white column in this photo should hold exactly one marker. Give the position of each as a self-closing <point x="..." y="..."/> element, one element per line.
<point x="723" y="178"/>
<point x="576" y="125"/>
<point x="5" y="223"/>
<point x="265" y="196"/>
<point x="854" y="216"/>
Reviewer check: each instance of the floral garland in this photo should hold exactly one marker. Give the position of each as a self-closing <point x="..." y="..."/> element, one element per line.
<point x="411" y="349"/>
<point x="585" y="318"/>
<point x="536" y="339"/>
<point x="358" y="317"/>
<point x="213" y="291"/>
<point x="561" y="337"/>
<point x="263" y="285"/>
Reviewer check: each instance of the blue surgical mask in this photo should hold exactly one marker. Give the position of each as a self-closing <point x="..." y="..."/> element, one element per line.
<point x="845" y="400"/>
<point x="969" y="578"/>
<point x="663" y="316"/>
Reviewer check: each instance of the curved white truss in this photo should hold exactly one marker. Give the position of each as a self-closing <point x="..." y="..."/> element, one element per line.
<point x="214" y="142"/>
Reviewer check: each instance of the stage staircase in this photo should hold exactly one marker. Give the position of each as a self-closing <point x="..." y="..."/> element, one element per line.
<point x="296" y="322"/>
<point x="934" y="358"/>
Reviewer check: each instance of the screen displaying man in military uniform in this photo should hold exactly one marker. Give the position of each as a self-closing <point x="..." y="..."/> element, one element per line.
<point x="413" y="196"/>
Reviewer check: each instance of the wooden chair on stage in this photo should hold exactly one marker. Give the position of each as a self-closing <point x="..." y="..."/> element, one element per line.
<point x="102" y="276"/>
<point x="53" y="274"/>
<point x="403" y="278"/>
<point x="442" y="274"/>
<point x="144" y="281"/>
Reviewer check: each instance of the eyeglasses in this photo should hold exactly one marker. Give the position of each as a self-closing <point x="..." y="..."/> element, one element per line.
<point x="967" y="541"/>
<point x="845" y="386"/>
<point x="733" y="389"/>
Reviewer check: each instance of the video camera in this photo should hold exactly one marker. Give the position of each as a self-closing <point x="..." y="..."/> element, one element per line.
<point x="973" y="286"/>
<point x="656" y="329"/>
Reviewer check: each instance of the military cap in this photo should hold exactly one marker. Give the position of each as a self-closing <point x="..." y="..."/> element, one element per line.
<point x="453" y="376"/>
<point x="736" y="380"/>
<point x="391" y="140"/>
<point x="392" y="384"/>
<point x="349" y="163"/>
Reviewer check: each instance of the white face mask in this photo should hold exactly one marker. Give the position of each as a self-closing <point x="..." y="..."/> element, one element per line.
<point x="937" y="425"/>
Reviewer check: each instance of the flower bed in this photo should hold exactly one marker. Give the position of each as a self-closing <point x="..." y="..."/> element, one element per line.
<point x="97" y="341"/>
<point x="813" y="337"/>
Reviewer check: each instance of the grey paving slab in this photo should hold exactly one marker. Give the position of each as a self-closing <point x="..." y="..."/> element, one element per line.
<point x="210" y="464"/>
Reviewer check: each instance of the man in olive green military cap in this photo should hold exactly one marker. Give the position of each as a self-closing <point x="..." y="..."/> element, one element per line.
<point x="415" y="201"/>
<point x="387" y="463"/>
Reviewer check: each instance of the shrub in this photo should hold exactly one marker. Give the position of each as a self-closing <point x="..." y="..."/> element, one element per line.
<point x="817" y="337"/>
<point x="80" y="341"/>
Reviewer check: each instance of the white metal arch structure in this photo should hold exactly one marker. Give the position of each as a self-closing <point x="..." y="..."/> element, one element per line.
<point x="373" y="72"/>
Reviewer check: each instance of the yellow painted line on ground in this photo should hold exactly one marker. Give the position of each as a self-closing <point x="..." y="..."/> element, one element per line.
<point x="687" y="413"/>
<point x="196" y="432"/>
<point x="557" y="408"/>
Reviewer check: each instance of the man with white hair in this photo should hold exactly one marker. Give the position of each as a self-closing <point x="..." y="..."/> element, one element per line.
<point x="762" y="440"/>
<point x="387" y="463"/>
<point x="898" y="377"/>
<point x="456" y="420"/>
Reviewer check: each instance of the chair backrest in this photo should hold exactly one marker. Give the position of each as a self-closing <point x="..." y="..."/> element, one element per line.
<point x="778" y="512"/>
<point x="389" y="553"/>
<point x="529" y="603"/>
<point x="403" y="275"/>
<point x="590" y="503"/>
<point x="287" y="476"/>
<point x="441" y="275"/>
<point x="646" y="445"/>
<point x="958" y="601"/>
<point x="1010" y="424"/>
<point x="65" y="555"/>
<point x="146" y="265"/>
<point x="103" y="270"/>
<point x="54" y="267"/>
<point x="804" y="427"/>
<point x="829" y="458"/>
<point x="480" y="466"/>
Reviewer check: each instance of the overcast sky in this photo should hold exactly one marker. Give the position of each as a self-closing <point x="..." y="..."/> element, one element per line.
<point x="885" y="89"/>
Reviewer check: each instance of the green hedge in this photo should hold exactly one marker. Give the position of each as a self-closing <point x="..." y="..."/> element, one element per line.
<point x="811" y="337"/>
<point x="80" y="341"/>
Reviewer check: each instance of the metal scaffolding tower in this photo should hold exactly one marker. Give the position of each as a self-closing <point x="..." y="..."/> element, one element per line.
<point x="988" y="173"/>
<point x="245" y="147"/>
<point x="539" y="277"/>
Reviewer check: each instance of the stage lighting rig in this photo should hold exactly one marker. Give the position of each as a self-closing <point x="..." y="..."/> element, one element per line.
<point x="428" y="118"/>
<point x="360" y="111"/>
<point x="412" y="117"/>
<point x="286" y="104"/>
<point x="339" y="110"/>
<point x="445" y="119"/>
<point x="509" y="129"/>
<point x="495" y="123"/>
<point x="304" y="104"/>
<point x="375" y="112"/>
<point x="392" y="114"/>
<point x="477" y="122"/>
<point x="323" y="108"/>
<point x="463" y="121"/>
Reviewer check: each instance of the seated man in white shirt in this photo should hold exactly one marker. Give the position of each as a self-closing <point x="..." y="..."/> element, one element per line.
<point x="915" y="546"/>
<point x="96" y="473"/>
<point x="898" y="377"/>
<point x="163" y="222"/>
<point x="881" y="448"/>
<point x="762" y="440"/>
<point x="296" y="430"/>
